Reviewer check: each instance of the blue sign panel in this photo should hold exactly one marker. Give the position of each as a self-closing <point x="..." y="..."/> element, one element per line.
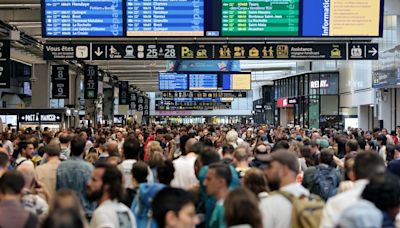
<point x="203" y="81"/>
<point x="69" y="18"/>
<point x="165" y="18"/>
<point x="171" y="81"/>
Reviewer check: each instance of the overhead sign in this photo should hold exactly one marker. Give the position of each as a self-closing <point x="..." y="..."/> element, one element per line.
<point x="60" y="82"/>
<point x="40" y="118"/>
<point x="90" y="82"/>
<point x="260" y="18"/>
<point x="140" y="103"/>
<point x="273" y="51"/>
<point x="123" y="95"/>
<point x="133" y="100"/>
<point x="165" y="18"/>
<point x="333" y="18"/>
<point x="5" y="64"/>
<point x="74" y="18"/>
<point x="364" y="51"/>
<point x="204" y="94"/>
<point x="134" y="51"/>
<point x="146" y="107"/>
<point x="66" y="51"/>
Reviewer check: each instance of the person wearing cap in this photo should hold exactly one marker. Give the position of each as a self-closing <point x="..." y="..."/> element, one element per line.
<point x="283" y="167"/>
<point x="394" y="165"/>
<point x="261" y="152"/>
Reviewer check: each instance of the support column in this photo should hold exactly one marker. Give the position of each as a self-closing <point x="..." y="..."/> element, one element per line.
<point x="41" y="86"/>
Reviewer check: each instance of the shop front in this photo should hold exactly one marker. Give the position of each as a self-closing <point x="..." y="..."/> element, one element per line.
<point x="310" y="100"/>
<point x="54" y="119"/>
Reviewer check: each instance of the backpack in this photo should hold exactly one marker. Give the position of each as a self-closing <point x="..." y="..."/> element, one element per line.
<point x="306" y="211"/>
<point x="325" y="182"/>
<point x="141" y="206"/>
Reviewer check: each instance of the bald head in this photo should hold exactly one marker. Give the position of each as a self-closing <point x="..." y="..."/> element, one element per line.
<point x="189" y="143"/>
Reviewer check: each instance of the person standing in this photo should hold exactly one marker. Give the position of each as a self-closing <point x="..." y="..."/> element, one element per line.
<point x="105" y="187"/>
<point x="217" y="184"/>
<point x="75" y="172"/>
<point x="47" y="173"/>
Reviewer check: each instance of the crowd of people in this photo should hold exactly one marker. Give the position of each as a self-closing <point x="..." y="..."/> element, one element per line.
<point x="212" y="176"/>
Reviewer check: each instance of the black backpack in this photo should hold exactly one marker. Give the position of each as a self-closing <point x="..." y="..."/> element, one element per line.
<point x="325" y="182"/>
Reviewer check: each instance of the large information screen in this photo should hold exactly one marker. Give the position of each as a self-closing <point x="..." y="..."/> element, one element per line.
<point x="212" y="18"/>
<point x="72" y="18"/>
<point x="342" y="18"/>
<point x="173" y="82"/>
<point x="203" y="81"/>
<point x="165" y="18"/>
<point x="260" y="18"/>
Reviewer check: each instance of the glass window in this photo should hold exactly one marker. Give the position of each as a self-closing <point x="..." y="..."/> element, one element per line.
<point x="329" y="105"/>
<point x="313" y="108"/>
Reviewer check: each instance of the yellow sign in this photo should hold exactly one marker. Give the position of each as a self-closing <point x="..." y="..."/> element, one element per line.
<point x="282" y="51"/>
<point x="336" y="53"/>
<point x="239" y="52"/>
<point x="225" y="52"/>
<point x="201" y="53"/>
<point x="354" y="18"/>
<point x="268" y="53"/>
<point x="254" y="53"/>
<point x="187" y="53"/>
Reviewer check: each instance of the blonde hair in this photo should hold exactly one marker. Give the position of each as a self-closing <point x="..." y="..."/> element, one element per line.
<point x="155" y="153"/>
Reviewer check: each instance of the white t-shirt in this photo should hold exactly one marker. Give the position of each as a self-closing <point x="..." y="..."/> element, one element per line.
<point x="112" y="214"/>
<point x="126" y="169"/>
<point x="184" y="176"/>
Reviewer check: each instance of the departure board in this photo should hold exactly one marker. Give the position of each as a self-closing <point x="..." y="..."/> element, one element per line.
<point x="172" y="81"/>
<point x="203" y="81"/>
<point x="260" y="18"/>
<point x="71" y="18"/>
<point x="165" y="18"/>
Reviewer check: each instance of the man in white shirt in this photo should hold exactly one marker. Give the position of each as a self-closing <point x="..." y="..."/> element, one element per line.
<point x="281" y="173"/>
<point x="184" y="176"/>
<point x="366" y="165"/>
<point x="105" y="187"/>
<point x="25" y="151"/>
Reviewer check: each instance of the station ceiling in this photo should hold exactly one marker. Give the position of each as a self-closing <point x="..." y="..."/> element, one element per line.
<point x="25" y="16"/>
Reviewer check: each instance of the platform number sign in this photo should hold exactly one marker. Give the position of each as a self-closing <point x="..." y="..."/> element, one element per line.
<point x="133" y="100"/>
<point x="5" y="64"/>
<point x="123" y="93"/>
<point x="91" y="82"/>
<point x="60" y="82"/>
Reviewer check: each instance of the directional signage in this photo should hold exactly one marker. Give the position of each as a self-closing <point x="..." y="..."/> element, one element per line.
<point x="5" y="64"/>
<point x="91" y="82"/>
<point x="66" y="51"/>
<point x="267" y="51"/>
<point x="146" y="107"/>
<point x="359" y="51"/>
<point x="60" y="82"/>
<point x="133" y="100"/>
<point x="140" y="103"/>
<point x="123" y="96"/>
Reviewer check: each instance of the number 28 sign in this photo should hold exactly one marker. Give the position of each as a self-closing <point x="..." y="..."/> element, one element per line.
<point x="60" y="82"/>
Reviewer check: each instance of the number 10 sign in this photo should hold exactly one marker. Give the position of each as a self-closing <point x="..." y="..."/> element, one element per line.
<point x="91" y="82"/>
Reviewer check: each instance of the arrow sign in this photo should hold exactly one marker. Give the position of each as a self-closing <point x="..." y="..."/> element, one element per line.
<point x="373" y="51"/>
<point x="98" y="52"/>
<point x="363" y="51"/>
